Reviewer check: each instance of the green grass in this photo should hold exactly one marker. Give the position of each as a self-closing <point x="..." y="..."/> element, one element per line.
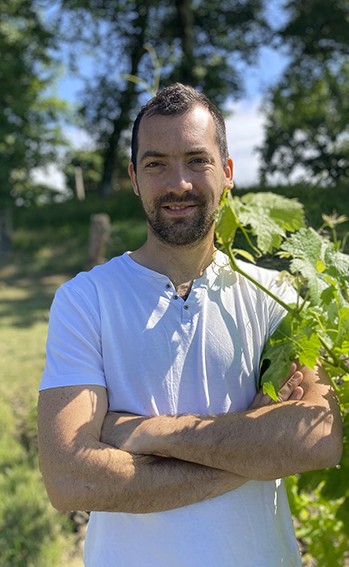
<point x="32" y="534"/>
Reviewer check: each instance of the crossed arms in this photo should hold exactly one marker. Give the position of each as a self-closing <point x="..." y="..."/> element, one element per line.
<point x="94" y="460"/>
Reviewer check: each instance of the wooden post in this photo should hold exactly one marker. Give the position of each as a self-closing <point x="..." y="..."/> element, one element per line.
<point x="98" y="238"/>
<point x="79" y="183"/>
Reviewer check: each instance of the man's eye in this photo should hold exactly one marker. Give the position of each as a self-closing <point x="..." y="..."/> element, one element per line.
<point x="152" y="164"/>
<point x="199" y="160"/>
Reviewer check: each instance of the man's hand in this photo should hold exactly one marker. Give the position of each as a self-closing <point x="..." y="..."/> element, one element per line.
<point x="120" y="431"/>
<point x="290" y="390"/>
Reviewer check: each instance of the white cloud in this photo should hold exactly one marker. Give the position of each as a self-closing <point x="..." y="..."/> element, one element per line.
<point x="50" y="176"/>
<point x="244" y="133"/>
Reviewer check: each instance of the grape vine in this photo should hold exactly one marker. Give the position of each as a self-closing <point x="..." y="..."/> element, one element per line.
<point x="315" y="329"/>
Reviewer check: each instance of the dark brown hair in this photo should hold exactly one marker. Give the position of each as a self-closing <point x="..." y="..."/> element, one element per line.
<point x="179" y="99"/>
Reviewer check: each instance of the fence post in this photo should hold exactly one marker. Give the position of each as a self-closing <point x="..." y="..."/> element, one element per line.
<point x="98" y="238"/>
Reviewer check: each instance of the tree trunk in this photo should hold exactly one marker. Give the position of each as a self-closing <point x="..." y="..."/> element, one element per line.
<point x="5" y="232"/>
<point x="185" y="17"/>
<point x="122" y="122"/>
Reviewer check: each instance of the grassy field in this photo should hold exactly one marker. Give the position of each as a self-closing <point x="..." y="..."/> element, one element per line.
<point x="50" y="246"/>
<point x="32" y="534"/>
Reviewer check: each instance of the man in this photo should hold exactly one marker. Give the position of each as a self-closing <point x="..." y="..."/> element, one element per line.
<point x="148" y="411"/>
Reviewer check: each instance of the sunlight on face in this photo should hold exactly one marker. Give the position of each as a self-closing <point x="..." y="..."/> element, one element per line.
<point x="180" y="177"/>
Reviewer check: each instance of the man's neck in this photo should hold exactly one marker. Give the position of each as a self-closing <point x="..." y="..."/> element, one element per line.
<point x="182" y="264"/>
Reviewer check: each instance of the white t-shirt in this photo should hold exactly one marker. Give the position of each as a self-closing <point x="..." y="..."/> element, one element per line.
<point x="123" y="326"/>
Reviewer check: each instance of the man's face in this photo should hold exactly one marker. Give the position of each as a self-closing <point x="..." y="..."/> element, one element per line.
<point x="180" y="176"/>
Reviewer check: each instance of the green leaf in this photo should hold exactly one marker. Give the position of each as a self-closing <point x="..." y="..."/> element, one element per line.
<point x="343" y="326"/>
<point x="278" y="354"/>
<point x="269" y="217"/>
<point x="306" y="248"/>
<point x="244" y="254"/>
<point x="269" y="389"/>
<point x="227" y="221"/>
<point x="338" y="264"/>
<point x="320" y="266"/>
<point x="308" y="349"/>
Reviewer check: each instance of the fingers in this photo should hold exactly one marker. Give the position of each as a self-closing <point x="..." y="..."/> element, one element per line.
<point x="290" y="389"/>
<point x="297" y="394"/>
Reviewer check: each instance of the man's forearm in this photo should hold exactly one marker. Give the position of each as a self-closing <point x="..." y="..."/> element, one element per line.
<point x="83" y="473"/>
<point x="253" y="444"/>
<point x="263" y="443"/>
<point x="115" y="481"/>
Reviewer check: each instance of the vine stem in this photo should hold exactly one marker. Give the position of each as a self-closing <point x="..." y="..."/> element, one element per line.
<point x="337" y="363"/>
<point x="236" y="268"/>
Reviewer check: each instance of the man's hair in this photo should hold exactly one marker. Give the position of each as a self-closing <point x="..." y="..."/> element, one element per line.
<point x="179" y="99"/>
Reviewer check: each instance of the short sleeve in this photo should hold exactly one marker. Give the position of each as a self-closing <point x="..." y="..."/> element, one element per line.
<point x="73" y="349"/>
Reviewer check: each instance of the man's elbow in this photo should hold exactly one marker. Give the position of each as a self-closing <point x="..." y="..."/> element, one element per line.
<point x="335" y="451"/>
<point x="62" y="496"/>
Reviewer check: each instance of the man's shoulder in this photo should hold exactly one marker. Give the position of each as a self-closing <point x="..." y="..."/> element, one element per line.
<point x="103" y="276"/>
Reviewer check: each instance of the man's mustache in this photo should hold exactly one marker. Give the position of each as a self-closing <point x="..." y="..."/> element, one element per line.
<point x="170" y="198"/>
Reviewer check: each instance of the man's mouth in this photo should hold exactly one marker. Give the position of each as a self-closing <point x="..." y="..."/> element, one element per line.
<point x="179" y="207"/>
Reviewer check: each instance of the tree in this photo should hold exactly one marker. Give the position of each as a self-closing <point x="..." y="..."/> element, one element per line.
<point x="316" y="29"/>
<point x="28" y="130"/>
<point x="307" y="111"/>
<point x="307" y="127"/>
<point x="199" y="43"/>
<point x="215" y="38"/>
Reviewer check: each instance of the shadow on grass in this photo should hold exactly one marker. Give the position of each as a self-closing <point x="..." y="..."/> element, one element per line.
<point x="26" y="301"/>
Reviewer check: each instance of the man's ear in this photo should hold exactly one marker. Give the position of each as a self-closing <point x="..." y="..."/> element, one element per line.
<point x="229" y="173"/>
<point x="133" y="177"/>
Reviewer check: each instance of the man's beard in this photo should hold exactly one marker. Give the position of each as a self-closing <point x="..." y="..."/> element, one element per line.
<point x="181" y="231"/>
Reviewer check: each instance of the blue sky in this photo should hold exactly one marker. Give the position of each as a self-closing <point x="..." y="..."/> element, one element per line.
<point x="245" y="125"/>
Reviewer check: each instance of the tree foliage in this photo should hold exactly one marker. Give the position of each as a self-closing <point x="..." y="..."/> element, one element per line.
<point x="28" y="116"/>
<point x="307" y="124"/>
<point x="316" y="29"/>
<point x="307" y="111"/>
<point x="196" y="42"/>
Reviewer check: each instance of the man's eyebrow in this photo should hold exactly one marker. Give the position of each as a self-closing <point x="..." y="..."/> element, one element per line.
<point x="157" y="154"/>
<point x="196" y="151"/>
<point x="152" y="153"/>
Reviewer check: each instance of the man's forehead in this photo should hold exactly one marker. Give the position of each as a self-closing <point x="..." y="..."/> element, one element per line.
<point x="197" y="110"/>
<point x="195" y="122"/>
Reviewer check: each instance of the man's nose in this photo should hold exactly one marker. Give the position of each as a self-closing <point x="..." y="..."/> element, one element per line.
<point x="178" y="181"/>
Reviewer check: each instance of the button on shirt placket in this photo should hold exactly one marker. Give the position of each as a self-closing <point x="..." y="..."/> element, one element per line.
<point x="185" y="310"/>
<point x="186" y="314"/>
